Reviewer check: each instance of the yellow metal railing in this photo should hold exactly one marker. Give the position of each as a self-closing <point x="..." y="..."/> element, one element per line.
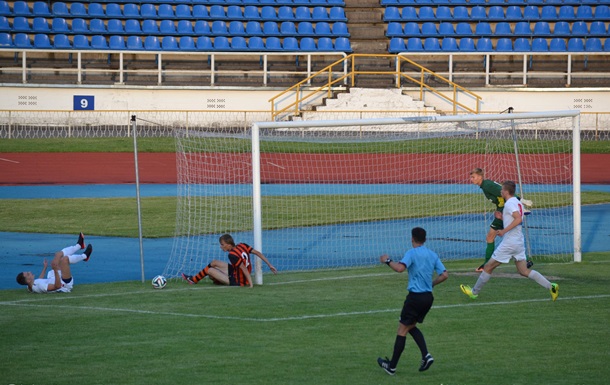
<point x="293" y="98"/>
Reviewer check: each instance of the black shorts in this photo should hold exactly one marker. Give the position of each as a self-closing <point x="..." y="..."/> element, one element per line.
<point x="232" y="281"/>
<point x="415" y="308"/>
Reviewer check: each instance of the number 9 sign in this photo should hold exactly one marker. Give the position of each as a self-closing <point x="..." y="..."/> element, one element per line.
<point x="84" y="102"/>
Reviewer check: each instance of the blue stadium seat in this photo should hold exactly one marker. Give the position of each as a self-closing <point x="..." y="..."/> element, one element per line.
<point x="200" y="12"/>
<point x="219" y="28"/>
<point x="129" y="10"/>
<point x="238" y="43"/>
<point x="562" y="28"/>
<point x="117" y="42"/>
<point x="397" y="44"/>
<point x="557" y="44"/>
<point x="270" y="28"/>
<point x="221" y="43"/>
<point x="460" y="13"/>
<point x="414" y="44"/>
<point x="593" y="44"/>
<point x="183" y="11"/>
<point x="449" y="45"/>
<point x="443" y="13"/>
<point x="322" y="28"/>
<point x="113" y="10"/>
<point x="147" y="11"/>
<point x="96" y="10"/>
<point x="467" y="44"/>
<point x="484" y="45"/>
<point x="411" y="29"/>
<point x="580" y="28"/>
<point x="166" y="11"/>
<point x="290" y="44"/>
<point x="522" y="28"/>
<point x="99" y="42"/>
<point x="394" y="29"/>
<point x="21" y="8"/>
<point x="202" y="27"/>
<point x="567" y="13"/>
<point x="61" y="41"/>
<point x="598" y="28"/>
<point x="42" y="41"/>
<point x="409" y="14"/>
<point x="78" y="10"/>
<point x="576" y="44"/>
<point x="60" y="9"/>
<point x="268" y="13"/>
<point x="602" y="12"/>
<point x="186" y="43"/>
<point x="607" y="45"/>
<point x="251" y="13"/>
<point x="22" y="40"/>
<point x="548" y="13"/>
<point x="584" y="12"/>
<point x="531" y="12"/>
<point x="503" y="29"/>
<point x="307" y="44"/>
<point x="97" y="26"/>
<point x="522" y="44"/>
<point x="306" y="29"/>
<point x="432" y="44"/>
<point x="504" y="44"/>
<point x="41" y="8"/>
<point x="429" y="29"/>
<point x="495" y="12"/>
<point x="284" y="13"/>
<point x="513" y="13"/>
<point x="5" y="10"/>
<point x="426" y="13"/>
<point x="21" y="24"/>
<point x="80" y="42"/>
<point x="288" y="28"/>
<point x="236" y="28"/>
<point x="132" y="27"/>
<point x="478" y="13"/>
<point x="539" y="44"/>
<point x="446" y="29"/>
<point x="342" y="44"/>
<point x="234" y="12"/>
<point x="4" y="24"/>
<point x="542" y="28"/>
<point x="185" y="27"/>
<point x="80" y="26"/>
<point x="337" y="14"/>
<point x="204" y="44"/>
<point x="325" y="44"/>
<point x="336" y="3"/>
<point x="256" y="43"/>
<point x="169" y="43"/>
<point x="463" y="29"/>
<point x="273" y="44"/>
<point x="167" y="27"/>
<point x="151" y="43"/>
<point x="253" y="28"/>
<point x="60" y="25"/>
<point x="391" y="14"/>
<point x="483" y="29"/>
<point x="115" y="26"/>
<point x="303" y="14"/>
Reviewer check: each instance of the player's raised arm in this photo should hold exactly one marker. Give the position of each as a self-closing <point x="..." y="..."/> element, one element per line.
<point x="261" y="256"/>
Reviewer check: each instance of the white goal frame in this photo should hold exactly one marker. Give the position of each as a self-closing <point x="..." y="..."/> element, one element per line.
<point x="256" y="169"/>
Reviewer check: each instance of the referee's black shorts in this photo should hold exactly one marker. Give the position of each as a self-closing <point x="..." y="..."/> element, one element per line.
<point x="415" y="308"/>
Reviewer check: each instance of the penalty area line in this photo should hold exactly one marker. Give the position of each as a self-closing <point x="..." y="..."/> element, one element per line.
<point x="9" y="160"/>
<point x="293" y="318"/>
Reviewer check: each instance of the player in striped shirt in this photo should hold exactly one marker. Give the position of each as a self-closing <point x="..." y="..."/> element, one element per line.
<point x="235" y="273"/>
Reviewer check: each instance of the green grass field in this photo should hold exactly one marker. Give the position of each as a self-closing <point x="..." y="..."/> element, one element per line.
<point x="324" y="327"/>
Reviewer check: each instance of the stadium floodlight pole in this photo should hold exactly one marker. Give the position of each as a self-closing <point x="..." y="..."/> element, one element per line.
<point x="576" y="186"/>
<point x="256" y="204"/>
<point x="134" y="128"/>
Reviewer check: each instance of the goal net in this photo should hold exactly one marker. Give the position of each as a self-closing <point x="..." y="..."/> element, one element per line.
<point x="332" y="194"/>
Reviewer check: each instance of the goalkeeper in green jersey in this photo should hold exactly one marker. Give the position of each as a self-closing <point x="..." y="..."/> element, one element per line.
<point x="492" y="191"/>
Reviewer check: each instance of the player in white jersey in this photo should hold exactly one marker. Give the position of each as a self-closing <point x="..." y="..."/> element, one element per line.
<point x="512" y="246"/>
<point x="59" y="279"/>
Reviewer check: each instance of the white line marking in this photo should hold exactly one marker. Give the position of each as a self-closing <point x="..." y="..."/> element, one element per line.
<point x="294" y="318"/>
<point x="276" y="165"/>
<point x="9" y="160"/>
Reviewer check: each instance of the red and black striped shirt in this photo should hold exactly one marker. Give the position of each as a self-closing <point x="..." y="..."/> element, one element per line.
<point x="240" y="254"/>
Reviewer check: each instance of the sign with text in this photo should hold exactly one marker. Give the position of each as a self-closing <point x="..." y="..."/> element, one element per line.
<point x="84" y="102"/>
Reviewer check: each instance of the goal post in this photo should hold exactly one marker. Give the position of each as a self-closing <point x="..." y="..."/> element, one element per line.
<point x="339" y="193"/>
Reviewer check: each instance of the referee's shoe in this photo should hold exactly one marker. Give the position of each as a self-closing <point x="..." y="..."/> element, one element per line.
<point x="385" y="365"/>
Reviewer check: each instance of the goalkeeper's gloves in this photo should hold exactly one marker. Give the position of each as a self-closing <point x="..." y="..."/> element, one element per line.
<point x="527" y="202"/>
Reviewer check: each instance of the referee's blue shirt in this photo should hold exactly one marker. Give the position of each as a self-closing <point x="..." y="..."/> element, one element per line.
<point x="421" y="262"/>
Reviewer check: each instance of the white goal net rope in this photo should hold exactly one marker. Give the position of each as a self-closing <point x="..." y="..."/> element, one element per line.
<point x="341" y="193"/>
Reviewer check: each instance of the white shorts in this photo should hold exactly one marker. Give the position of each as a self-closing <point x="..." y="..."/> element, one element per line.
<point x="508" y="250"/>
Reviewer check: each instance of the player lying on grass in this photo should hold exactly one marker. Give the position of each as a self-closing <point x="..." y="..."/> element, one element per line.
<point x="235" y="273"/>
<point x="512" y="246"/>
<point x="59" y="279"/>
<point x="492" y="191"/>
<point x="421" y="263"/>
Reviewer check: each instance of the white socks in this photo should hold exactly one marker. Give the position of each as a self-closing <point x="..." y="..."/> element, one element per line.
<point x="483" y="278"/>
<point x="74" y="258"/>
<point x="540" y="279"/>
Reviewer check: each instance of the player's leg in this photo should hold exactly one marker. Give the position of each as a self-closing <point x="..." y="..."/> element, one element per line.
<point x="219" y="276"/>
<point x="62" y="262"/>
<point x="215" y="264"/>
<point x="490" y="240"/>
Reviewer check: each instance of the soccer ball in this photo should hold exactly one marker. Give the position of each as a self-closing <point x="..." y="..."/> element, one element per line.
<point x="159" y="282"/>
